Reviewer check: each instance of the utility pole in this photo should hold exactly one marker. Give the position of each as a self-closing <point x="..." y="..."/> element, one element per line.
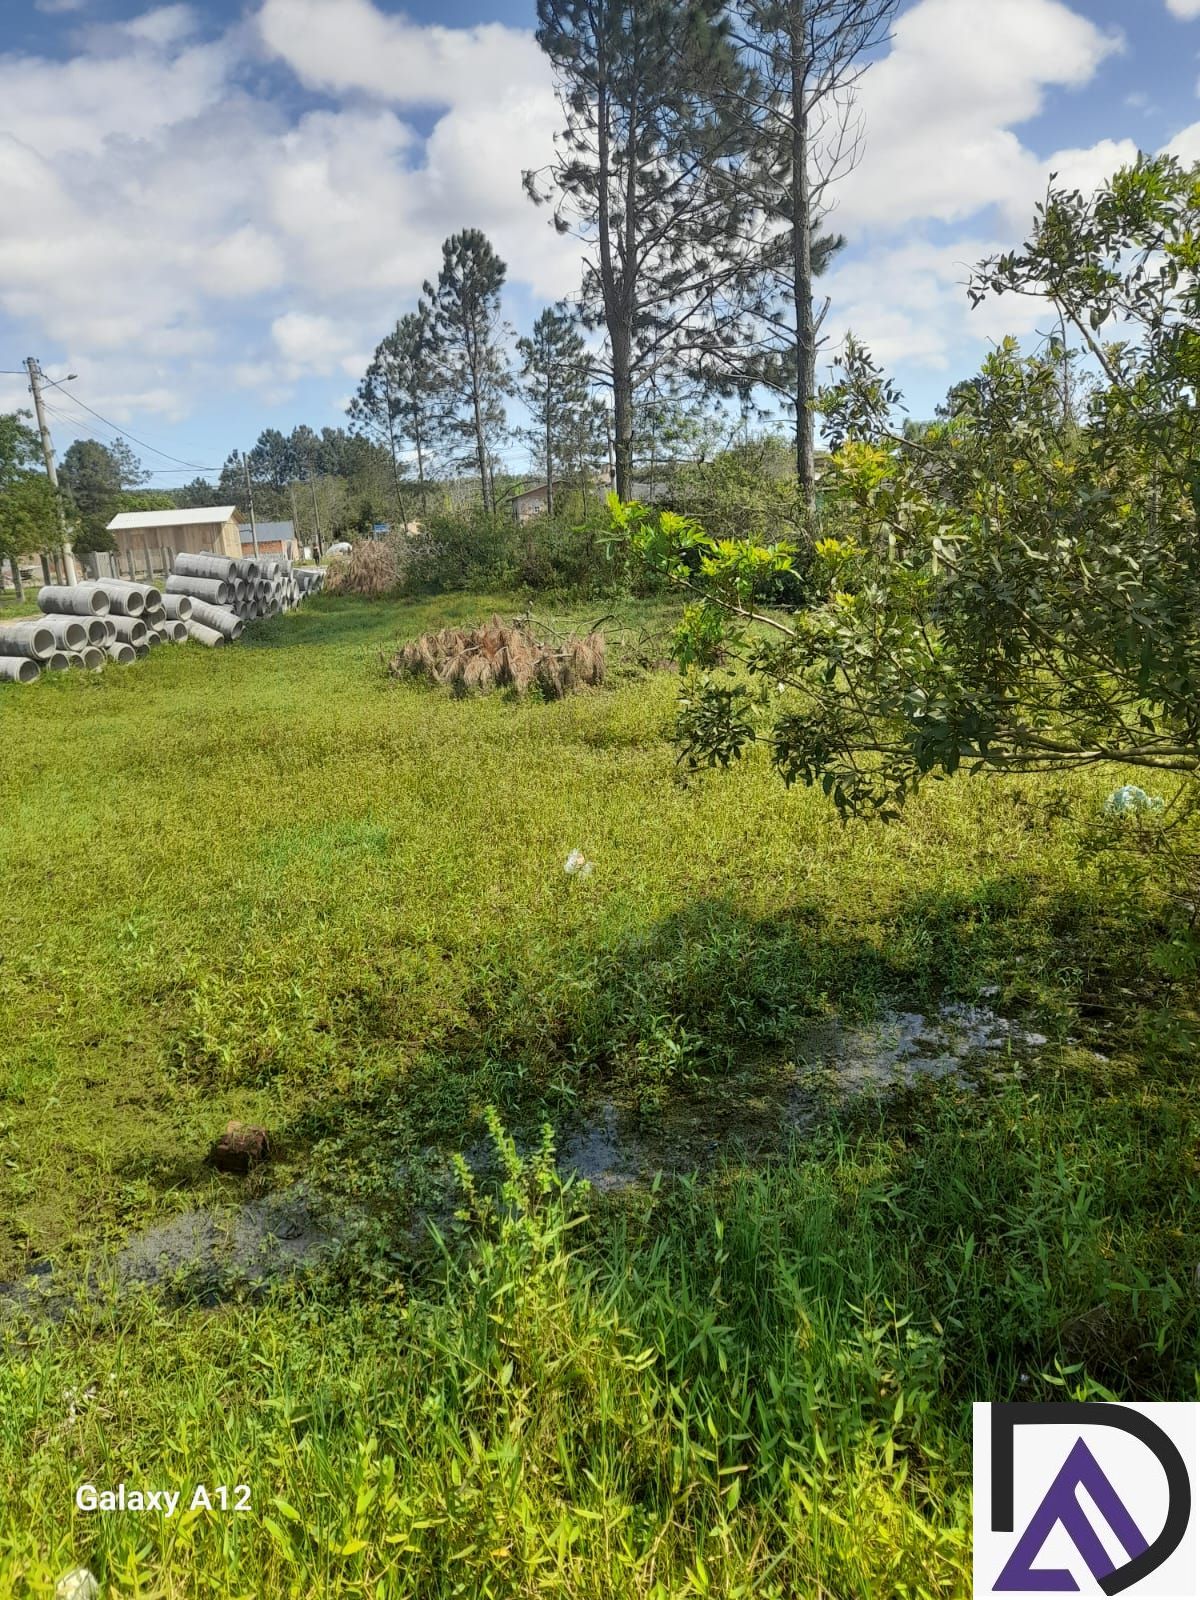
<point x="316" y="512"/>
<point x="250" y="498"/>
<point x="295" y="519"/>
<point x="35" y="384"/>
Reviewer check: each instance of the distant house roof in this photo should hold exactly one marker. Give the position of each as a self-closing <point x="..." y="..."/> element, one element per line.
<point x="525" y="494"/>
<point x="170" y="519"/>
<point x="268" y="532"/>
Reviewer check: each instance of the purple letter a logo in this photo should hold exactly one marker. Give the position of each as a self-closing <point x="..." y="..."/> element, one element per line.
<point x="1079" y="1470"/>
<point x="1060" y="1506"/>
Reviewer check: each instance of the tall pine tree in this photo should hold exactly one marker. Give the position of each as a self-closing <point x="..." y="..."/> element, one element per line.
<point x="467" y="322"/>
<point x="555" y="373"/>
<point x="647" y="177"/>
<point x="398" y="400"/>
<point x="807" y="57"/>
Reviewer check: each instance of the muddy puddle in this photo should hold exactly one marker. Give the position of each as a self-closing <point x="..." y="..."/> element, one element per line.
<point x="615" y="1146"/>
<point x="208" y="1254"/>
<point x="212" y="1253"/>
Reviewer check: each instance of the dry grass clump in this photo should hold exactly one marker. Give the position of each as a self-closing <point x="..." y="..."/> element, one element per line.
<point x="371" y="569"/>
<point x="499" y="656"/>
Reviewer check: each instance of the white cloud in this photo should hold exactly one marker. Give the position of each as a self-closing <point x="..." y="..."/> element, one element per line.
<point x="1186" y="144"/>
<point x="941" y="107"/>
<point x="941" y="117"/>
<point x="345" y="45"/>
<point x="1185" y="10"/>
<point x="167" y="26"/>
<point x="54" y="8"/>
<point x="158" y="199"/>
<point x="310" y="344"/>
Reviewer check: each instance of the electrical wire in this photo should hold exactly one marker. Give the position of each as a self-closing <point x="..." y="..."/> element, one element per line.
<point x="153" y="472"/>
<point x="124" y="432"/>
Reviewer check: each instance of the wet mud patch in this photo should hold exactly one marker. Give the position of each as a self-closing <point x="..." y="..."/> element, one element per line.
<point x="207" y="1255"/>
<point x="757" y="1114"/>
<point x="210" y="1254"/>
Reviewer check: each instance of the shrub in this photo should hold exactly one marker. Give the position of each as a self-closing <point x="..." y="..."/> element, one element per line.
<point x="370" y="569"/>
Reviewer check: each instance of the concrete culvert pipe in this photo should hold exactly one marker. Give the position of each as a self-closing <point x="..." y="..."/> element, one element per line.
<point x="178" y="607"/>
<point x="141" y="650"/>
<point x="123" y="600"/>
<point x="203" y="635"/>
<point x="123" y="654"/>
<point x="153" y="615"/>
<point x="210" y="589"/>
<point x="58" y="662"/>
<point x="148" y="594"/>
<point x="197" y="564"/>
<point x="75" y="600"/>
<point x="19" y="669"/>
<point x="224" y="622"/>
<point x="70" y="633"/>
<point x="129" y="630"/>
<point x="172" y="632"/>
<point x="97" y="628"/>
<point x="110" y="631"/>
<point x="94" y="657"/>
<point x="152" y="639"/>
<point x="27" y="638"/>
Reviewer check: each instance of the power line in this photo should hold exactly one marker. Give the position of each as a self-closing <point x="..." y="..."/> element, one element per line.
<point x="153" y="472"/>
<point x="125" y="434"/>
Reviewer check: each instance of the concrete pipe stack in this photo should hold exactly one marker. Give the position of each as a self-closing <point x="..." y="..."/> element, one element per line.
<point x="225" y="594"/>
<point x="207" y="599"/>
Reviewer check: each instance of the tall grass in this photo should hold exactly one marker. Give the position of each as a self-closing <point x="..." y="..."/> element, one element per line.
<point x="755" y="1388"/>
<point x="269" y="883"/>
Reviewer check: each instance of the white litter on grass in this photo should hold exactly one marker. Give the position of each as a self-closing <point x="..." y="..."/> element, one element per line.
<point x="78" y="1584"/>
<point x="578" y="865"/>
<point x="1130" y="798"/>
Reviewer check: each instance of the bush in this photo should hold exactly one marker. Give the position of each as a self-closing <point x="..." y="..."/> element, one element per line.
<point x="370" y="569"/>
<point x="568" y="553"/>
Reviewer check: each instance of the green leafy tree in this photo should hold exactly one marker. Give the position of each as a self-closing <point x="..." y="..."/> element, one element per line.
<point x="466" y="320"/>
<point x="1012" y="591"/>
<point x="231" y="486"/>
<point x="272" y="461"/>
<point x="93" y="476"/>
<point x="28" y="514"/>
<point x="555" y="375"/>
<point x="648" y="178"/>
<point x="199" y="492"/>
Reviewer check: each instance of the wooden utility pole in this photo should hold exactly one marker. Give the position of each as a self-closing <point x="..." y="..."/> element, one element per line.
<point x="35" y="384"/>
<point x="250" y="498"/>
<point x="316" y="512"/>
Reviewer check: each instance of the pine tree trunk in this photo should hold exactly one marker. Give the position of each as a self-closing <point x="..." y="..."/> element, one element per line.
<point x="802" y="278"/>
<point x="549" y="459"/>
<point x="481" y="450"/>
<point x="623" y="413"/>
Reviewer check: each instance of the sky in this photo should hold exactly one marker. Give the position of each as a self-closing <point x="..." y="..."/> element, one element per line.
<point x="213" y="211"/>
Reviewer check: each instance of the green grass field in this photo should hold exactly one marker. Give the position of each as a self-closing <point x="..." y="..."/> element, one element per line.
<point x="269" y="883"/>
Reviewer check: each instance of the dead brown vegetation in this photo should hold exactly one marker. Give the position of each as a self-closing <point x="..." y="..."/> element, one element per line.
<point x="498" y="655"/>
<point x="370" y="569"/>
